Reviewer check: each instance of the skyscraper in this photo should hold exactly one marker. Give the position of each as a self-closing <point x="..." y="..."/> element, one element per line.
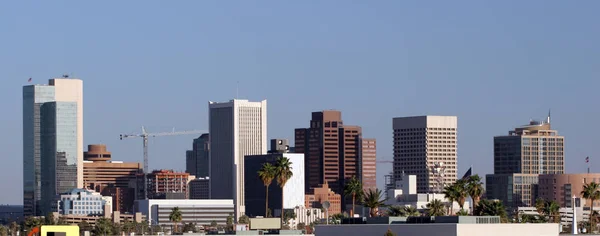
<point x="197" y="159"/>
<point x="425" y="146"/>
<point x="368" y="164"/>
<point x="33" y="98"/>
<point x="237" y="128"/>
<point x="519" y="158"/>
<point x="334" y="152"/>
<point x="52" y="130"/>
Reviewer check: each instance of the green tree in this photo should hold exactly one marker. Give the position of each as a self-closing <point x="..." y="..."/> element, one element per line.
<point x="373" y="199"/>
<point x="590" y="191"/>
<point x="267" y="173"/>
<point x="411" y="211"/>
<point x="308" y="213"/>
<point x="104" y="226"/>
<point x="31" y="222"/>
<point x="389" y="233"/>
<point x="540" y="204"/>
<point x="288" y="214"/>
<point x="491" y="208"/>
<point x="189" y="227"/>
<point x="62" y="221"/>
<point x="230" y="222"/>
<point x="84" y="226"/>
<point x="175" y="217"/>
<point x="475" y="188"/>
<point x="451" y="192"/>
<point x="3" y="230"/>
<point x="461" y="187"/>
<point x="213" y="223"/>
<point x="244" y="219"/>
<point x="301" y="226"/>
<point x="552" y="211"/>
<point x="128" y="227"/>
<point x="462" y="212"/>
<point x="436" y="208"/>
<point x="353" y="188"/>
<point x="284" y="173"/>
<point x="396" y="211"/>
<point x="49" y="219"/>
<point x="14" y="228"/>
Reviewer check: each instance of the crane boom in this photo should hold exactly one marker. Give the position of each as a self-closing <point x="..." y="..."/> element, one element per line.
<point x="144" y="135"/>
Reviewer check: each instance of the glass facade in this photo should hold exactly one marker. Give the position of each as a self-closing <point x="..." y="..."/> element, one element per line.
<point x="82" y="202"/>
<point x="59" y="150"/>
<point x="33" y="98"/>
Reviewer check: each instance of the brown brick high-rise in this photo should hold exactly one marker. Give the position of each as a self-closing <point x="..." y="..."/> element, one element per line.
<point x="333" y="152"/>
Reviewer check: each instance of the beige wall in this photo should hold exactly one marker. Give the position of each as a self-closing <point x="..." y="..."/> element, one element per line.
<point x="71" y="90"/>
<point x="441" y="230"/>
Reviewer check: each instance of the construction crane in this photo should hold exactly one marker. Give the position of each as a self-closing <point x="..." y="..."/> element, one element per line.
<point x="144" y="135"/>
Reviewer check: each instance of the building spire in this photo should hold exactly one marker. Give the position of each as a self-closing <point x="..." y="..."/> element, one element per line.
<point x="548" y="119"/>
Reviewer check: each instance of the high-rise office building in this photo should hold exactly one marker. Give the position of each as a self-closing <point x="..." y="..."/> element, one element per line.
<point x="519" y="158"/>
<point x="237" y="128"/>
<point x="34" y="96"/>
<point x="58" y="107"/>
<point x="368" y="164"/>
<point x="334" y="152"/>
<point x="425" y="146"/>
<point x="196" y="162"/>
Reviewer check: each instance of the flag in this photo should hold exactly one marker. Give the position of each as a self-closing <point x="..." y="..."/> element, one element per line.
<point x="29" y="80"/>
<point x="467" y="174"/>
<point x="587" y="160"/>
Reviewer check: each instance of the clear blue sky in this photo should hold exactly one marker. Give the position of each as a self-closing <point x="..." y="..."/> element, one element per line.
<point x="493" y="64"/>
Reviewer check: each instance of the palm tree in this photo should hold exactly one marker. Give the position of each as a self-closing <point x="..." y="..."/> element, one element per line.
<point x="490" y="208"/>
<point x="461" y="189"/>
<point x="436" y="208"/>
<point x="411" y="211"/>
<point x="373" y="200"/>
<point x="396" y="211"/>
<point x="591" y="192"/>
<point x="552" y="209"/>
<point x="283" y="174"/>
<point x="451" y="193"/>
<point x="353" y="188"/>
<point x="175" y="217"/>
<point x="267" y="174"/>
<point x="475" y="188"/>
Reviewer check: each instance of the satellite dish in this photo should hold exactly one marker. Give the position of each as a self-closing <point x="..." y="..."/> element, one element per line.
<point x="326" y="204"/>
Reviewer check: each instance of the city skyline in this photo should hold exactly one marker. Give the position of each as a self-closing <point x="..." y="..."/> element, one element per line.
<point x="474" y="62"/>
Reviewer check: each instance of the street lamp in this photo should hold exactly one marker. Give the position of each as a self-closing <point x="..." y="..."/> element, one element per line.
<point x="574" y="224"/>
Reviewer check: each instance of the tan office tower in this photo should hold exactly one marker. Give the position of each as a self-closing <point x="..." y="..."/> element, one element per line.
<point x="519" y="158"/>
<point x="368" y="164"/>
<point x="333" y="152"/>
<point x="425" y="146"/>
<point x="237" y="128"/>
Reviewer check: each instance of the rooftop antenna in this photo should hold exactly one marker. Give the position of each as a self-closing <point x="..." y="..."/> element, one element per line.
<point x="548" y="119"/>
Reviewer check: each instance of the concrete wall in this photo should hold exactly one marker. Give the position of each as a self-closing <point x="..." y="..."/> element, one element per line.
<point x="507" y="229"/>
<point x="404" y="230"/>
<point x="441" y="230"/>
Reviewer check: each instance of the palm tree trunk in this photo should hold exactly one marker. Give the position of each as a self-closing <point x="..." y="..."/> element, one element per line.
<point x="591" y="214"/>
<point x="267" y="202"/>
<point x="282" y="205"/>
<point x="352" y="211"/>
<point x="451" y="208"/>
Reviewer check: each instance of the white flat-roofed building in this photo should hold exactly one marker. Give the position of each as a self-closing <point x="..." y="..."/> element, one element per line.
<point x="201" y="212"/>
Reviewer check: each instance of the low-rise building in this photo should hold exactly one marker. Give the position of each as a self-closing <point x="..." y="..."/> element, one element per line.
<point x="405" y="194"/>
<point x="562" y="187"/>
<point x="322" y="194"/>
<point x="514" y="190"/>
<point x="84" y="202"/>
<point x="199" y="188"/>
<point x="200" y="212"/>
<point x="254" y="190"/>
